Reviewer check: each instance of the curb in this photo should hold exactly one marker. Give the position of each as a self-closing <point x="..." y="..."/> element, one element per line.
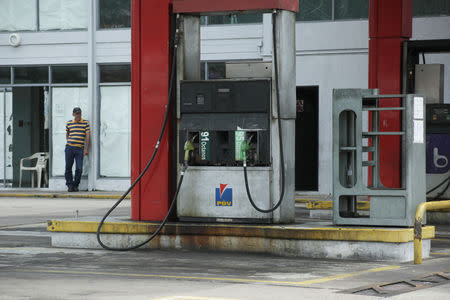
<point x="386" y="235"/>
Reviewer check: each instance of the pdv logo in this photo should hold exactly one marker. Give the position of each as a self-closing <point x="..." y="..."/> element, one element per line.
<point x="224" y="195"/>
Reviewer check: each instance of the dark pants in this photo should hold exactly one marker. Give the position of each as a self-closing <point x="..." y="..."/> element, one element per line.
<point x="71" y="154"/>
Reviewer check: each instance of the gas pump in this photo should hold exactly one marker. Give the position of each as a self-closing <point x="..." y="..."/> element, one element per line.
<point x="241" y="162"/>
<point x="438" y="150"/>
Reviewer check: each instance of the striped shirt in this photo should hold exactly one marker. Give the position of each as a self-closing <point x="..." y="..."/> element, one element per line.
<point x="77" y="132"/>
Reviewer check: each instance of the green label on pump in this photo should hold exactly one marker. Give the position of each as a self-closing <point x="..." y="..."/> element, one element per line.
<point x="204" y="145"/>
<point x="239" y="142"/>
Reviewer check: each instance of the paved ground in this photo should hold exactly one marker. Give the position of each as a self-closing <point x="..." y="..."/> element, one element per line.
<point x="31" y="269"/>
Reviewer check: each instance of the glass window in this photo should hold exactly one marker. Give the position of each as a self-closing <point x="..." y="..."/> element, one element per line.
<point x="351" y="9"/>
<point x="235" y="19"/>
<point x="63" y="14"/>
<point x="64" y="99"/>
<point x="31" y="74"/>
<point x="115" y="13"/>
<point x="314" y="10"/>
<point x="216" y="70"/>
<point x="431" y="8"/>
<point x="69" y="74"/>
<point x="115" y="131"/>
<point x="115" y="73"/>
<point x="5" y="75"/>
<point x="16" y="15"/>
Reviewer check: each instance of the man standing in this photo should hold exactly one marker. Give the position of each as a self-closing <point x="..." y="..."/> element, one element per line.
<point x="77" y="135"/>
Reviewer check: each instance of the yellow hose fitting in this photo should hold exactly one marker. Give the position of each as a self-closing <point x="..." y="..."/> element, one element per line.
<point x="188" y="147"/>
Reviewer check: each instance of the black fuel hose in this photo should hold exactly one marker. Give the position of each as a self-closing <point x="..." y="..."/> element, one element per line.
<point x="280" y="134"/>
<point x="441" y="192"/>
<point x="439" y="185"/>
<point x="155" y="151"/>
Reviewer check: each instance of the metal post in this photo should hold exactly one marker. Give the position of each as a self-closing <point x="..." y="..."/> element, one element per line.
<point x="191" y="41"/>
<point x="285" y="31"/>
<point x="375" y="145"/>
<point x="351" y="142"/>
<point x="421" y="209"/>
<point x="92" y="88"/>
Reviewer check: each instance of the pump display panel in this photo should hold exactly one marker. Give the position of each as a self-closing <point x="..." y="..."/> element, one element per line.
<point x="228" y="121"/>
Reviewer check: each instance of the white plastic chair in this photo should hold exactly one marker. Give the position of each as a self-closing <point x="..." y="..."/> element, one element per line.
<point x="39" y="168"/>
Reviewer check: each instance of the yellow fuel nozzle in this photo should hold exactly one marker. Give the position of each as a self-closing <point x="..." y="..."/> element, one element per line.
<point x="188" y="146"/>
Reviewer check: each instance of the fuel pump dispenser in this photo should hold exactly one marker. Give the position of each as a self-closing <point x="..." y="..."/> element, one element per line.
<point x="229" y="123"/>
<point x="241" y="162"/>
<point x="438" y="150"/>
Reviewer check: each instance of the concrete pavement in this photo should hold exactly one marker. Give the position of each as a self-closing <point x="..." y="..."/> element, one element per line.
<point x="31" y="269"/>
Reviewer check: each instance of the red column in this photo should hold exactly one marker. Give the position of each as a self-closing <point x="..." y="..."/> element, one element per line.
<point x="150" y="28"/>
<point x="390" y="23"/>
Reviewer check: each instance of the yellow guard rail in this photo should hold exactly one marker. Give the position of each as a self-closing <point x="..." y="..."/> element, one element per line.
<point x="421" y="209"/>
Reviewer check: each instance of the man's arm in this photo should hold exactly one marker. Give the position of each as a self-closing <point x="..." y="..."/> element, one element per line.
<point x="86" y="147"/>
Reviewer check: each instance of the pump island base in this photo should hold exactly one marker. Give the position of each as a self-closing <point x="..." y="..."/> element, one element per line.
<point x="313" y="239"/>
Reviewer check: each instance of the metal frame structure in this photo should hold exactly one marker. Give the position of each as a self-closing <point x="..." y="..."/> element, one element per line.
<point x="388" y="206"/>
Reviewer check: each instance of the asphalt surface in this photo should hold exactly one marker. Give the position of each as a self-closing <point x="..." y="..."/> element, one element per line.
<point x="31" y="269"/>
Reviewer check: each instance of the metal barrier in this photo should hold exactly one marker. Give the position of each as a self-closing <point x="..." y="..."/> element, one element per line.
<point x="421" y="209"/>
<point x="358" y="133"/>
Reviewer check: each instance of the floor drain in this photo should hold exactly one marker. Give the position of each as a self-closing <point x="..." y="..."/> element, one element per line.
<point x="388" y="289"/>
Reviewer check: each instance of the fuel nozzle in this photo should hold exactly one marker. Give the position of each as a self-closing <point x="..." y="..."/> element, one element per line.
<point x="246" y="146"/>
<point x="188" y="147"/>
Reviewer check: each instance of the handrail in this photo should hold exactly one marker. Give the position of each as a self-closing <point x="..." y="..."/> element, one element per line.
<point x="421" y="209"/>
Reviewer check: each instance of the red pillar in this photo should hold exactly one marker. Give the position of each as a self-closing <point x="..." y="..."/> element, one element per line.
<point x="390" y="23"/>
<point x="150" y="28"/>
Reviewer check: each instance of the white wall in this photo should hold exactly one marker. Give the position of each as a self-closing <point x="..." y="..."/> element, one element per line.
<point x="331" y="55"/>
<point x="65" y="47"/>
<point x="231" y="42"/>
<point x="44" y="48"/>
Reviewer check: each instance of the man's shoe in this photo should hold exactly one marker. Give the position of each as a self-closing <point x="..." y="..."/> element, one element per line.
<point x="75" y="189"/>
<point x="71" y="189"/>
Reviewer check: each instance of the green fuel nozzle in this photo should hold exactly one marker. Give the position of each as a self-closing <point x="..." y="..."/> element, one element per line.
<point x="245" y="146"/>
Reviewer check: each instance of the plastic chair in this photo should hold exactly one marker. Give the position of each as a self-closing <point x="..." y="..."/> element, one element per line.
<point x="39" y="168"/>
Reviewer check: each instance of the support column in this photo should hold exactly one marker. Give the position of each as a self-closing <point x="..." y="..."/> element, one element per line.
<point x="390" y="23"/>
<point x="285" y="31"/>
<point x="93" y="156"/>
<point x="150" y="31"/>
